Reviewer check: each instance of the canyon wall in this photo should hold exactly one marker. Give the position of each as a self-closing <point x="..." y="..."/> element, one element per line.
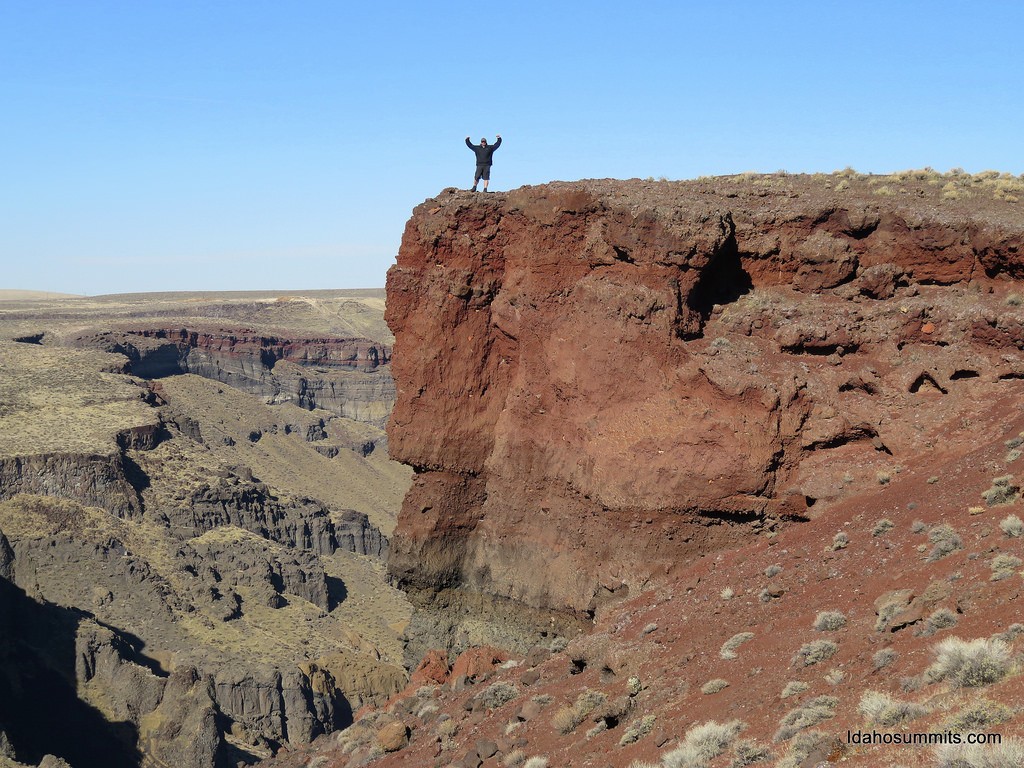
<point x="598" y="381"/>
<point x="347" y="377"/>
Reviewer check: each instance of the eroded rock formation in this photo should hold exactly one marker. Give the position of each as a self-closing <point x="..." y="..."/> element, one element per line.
<point x="348" y="377"/>
<point x="598" y="381"/>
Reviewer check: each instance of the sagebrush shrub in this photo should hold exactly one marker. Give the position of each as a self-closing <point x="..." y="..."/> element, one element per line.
<point x="801" y="747"/>
<point x="979" y="715"/>
<point x="970" y="663"/>
<point x="702" y="744"/>
<point x="815" y="652"/>
<point x="879" y="708"/>
<point x="1008" y="754"/>
<point x="829" y="621"/>
<point x="1004" y="566"/>
<point x="730" y="646"/>
<point x="793" y="688"/>
<point x="749" y="752"/>
<point x="946" y="541"/>
<point x="498" y="694"/>
<point x="714" y="686"/>
<point x="638" y="730"/>
<point x="1003" y="491"/>
<point x="882" y="527"/>
<point x="942" y="618"/>
<point x="815" y="711"/>
<point x="884" y="658"/>
<point x="1012" y="527"/>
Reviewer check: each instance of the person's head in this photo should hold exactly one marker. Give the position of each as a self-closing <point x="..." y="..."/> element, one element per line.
<point x="483" y="142"/>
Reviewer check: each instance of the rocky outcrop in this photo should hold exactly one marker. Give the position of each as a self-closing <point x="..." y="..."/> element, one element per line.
<point x="94" y="479"/>
<point x="348" y="377"/>
<point x="599" y="381"/>
<point x="46" y="653"/>
<point x="254" y="562"/>
<point x="279" y="706"/>
<point x="183" y="716"/>
<point x="303" y="524"/>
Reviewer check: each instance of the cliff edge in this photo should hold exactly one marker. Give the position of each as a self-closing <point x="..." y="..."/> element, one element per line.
<point x="598" y="382"/>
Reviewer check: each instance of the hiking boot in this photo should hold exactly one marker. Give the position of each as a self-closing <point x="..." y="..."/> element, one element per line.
<point x="486" y="189"/>
<point x="473" y="188"/>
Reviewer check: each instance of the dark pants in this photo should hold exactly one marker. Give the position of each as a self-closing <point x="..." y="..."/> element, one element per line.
<point x="482" y="172"/>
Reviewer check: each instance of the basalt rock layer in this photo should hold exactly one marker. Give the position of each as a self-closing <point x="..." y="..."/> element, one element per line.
<point x="348" y="377"/>
<point x="600" y="381"/>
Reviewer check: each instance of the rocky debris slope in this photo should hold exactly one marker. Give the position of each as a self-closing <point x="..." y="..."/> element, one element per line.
<point x="836" y="641"/>
<point x="600" y="381"/>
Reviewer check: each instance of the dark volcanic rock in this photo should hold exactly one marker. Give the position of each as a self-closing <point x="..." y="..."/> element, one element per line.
<point x="254" y="562"/>
<point x="299" y="523"/>
<point x="348" y="377"/>
<point x="96" y="480"/>
<point x="304" y="524"/>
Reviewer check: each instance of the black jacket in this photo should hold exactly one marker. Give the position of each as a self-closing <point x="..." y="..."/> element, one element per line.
<point x="483" y="154"/>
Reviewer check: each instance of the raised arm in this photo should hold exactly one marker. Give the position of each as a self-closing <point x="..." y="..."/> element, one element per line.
<point x="498" y="142"/>
<point x="469" y="143"/>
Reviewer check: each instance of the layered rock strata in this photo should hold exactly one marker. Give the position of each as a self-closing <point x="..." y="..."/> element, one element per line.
<point x="598" y="381"/>
<point x="347" y="377"/>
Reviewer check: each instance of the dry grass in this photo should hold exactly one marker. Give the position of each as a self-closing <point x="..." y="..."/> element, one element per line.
<point x="568" y="718"/>
<point x="373" y="485"/>
<point x="357" y="313"/>
<point x="61" y="401"/>
<point x="28" y="516"/>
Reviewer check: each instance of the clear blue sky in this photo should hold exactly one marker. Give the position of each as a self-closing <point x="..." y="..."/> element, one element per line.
<point x="153" y="145"/>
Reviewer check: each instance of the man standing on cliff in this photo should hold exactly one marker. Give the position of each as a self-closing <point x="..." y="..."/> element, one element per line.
<point x="483" y="153"/>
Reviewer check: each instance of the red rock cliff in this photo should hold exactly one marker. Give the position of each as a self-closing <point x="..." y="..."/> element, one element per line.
<point x="599" y="380"/>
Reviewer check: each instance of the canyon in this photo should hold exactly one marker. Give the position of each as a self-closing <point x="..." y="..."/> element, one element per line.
<point x="682" y="461"/>
<point x="195" y="526"/>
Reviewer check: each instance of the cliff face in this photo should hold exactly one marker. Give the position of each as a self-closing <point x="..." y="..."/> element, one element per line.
<point x="347" y="377"/>
<point x="599" y="381"/>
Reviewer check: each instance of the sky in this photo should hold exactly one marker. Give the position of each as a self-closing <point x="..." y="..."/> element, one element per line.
<point x="172" y="145"/>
